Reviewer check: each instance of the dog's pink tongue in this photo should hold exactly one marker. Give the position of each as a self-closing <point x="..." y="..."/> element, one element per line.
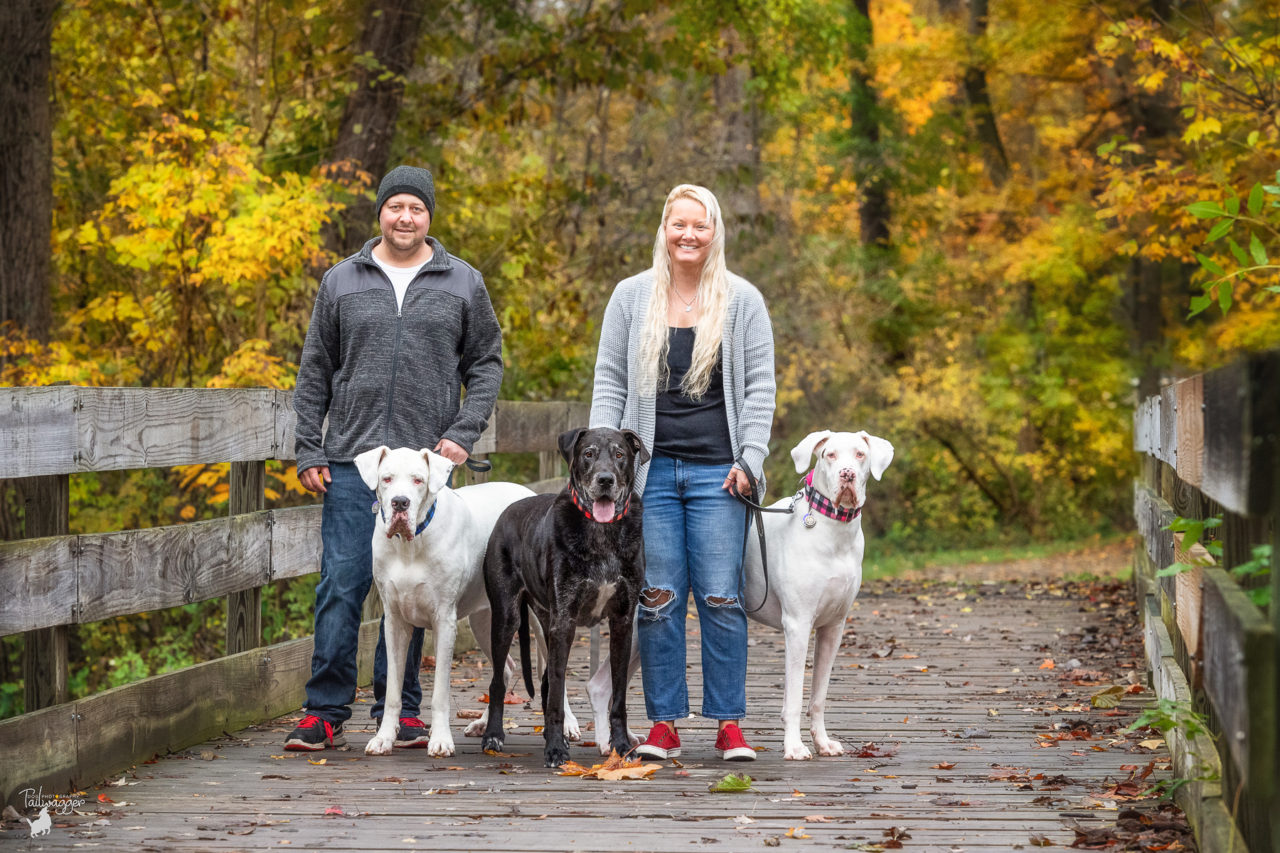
<point x="602" y="511"/>
<point x="400" y="524"/>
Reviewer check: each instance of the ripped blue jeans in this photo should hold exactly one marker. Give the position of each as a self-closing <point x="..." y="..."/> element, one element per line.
<point x="692" y="542"/>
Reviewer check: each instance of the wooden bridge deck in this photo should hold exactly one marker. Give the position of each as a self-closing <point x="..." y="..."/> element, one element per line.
<point x="961" y="738"/>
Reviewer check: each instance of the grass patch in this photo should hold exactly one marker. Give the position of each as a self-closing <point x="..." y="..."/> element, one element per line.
<point x="891" y="565"/>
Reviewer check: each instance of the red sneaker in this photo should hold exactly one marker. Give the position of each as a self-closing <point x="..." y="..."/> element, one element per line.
<point x="412" y="734"/>
<point x="662" y="742"/>
<point x="733" y="746"/>
<point x="314" y="734"/>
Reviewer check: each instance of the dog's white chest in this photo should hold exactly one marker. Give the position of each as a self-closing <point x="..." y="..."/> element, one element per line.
<point x="604" y="594"/>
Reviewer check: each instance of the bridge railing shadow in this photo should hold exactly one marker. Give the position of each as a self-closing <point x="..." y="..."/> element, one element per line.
<point x="53" y="580"/>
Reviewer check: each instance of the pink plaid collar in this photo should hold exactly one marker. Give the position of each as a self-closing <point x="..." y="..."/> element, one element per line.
<point x="822" y="505"/>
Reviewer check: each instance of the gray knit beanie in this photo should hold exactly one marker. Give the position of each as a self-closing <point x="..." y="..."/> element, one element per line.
<point x="408" y="179"/>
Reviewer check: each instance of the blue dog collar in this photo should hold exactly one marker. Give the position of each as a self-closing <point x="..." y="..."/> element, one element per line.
<point x="377" y="507"/>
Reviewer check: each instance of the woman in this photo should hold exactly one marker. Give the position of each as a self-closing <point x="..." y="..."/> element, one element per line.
<point x="686" y="360"/>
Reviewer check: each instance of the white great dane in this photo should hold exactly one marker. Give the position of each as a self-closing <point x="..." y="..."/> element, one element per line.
<point x="428" y="556"/>
<point x="815" y="573"/>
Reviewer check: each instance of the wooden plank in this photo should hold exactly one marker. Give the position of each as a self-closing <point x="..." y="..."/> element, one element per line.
<point x="1190" y="406"/>
<point x="244" y="607"/>
<point x="135" y="571"/>
<point x="46" y="512"/>
<point x="286" y="423"/>
<point x="1241" y="422"/>
<point x="80" y="743"/>
<point x="47" y="738"/>
<point x="124" y="428"/>
<point x="37" y="431"/>
<point x="527" y="427"/>
<point x="295" y="541"/>
<point x="1186" y="610"/>
<point x="1146" y="426"/>
<point x="1240" y="678"/>
<point x="1168" y="451"/>
<point x="37" y="584"/>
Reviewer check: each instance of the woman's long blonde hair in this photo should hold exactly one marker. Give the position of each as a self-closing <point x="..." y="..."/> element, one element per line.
<point x="713" y="295"/>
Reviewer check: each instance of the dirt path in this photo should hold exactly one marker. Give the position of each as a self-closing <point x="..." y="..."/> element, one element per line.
<point x="1103" y="561"/>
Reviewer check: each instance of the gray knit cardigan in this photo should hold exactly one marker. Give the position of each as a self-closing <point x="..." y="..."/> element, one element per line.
<point x="746" y="358"/>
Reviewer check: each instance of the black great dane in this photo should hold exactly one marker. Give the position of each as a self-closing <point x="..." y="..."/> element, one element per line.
<point x="575" y="557"/>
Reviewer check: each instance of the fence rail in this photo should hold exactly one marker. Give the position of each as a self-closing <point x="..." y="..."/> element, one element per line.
<point x="54" y="580"/>
<point x="1209" y="448"/>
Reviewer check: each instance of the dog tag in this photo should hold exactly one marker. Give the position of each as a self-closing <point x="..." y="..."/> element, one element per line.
<point x="809" y="520"/>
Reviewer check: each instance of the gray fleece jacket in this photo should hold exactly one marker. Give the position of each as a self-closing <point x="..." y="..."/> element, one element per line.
<point x="395" y="377"/>
<point x="746" y="358"/>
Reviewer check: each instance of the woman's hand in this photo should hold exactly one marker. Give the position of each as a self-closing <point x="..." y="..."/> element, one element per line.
<point x="738" y="478"/>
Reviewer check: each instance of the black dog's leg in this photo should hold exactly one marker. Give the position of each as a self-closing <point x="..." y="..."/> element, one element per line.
<point x="505" y="617"/>
<point x="621" y="625"/>
<point x="559" y="640"/>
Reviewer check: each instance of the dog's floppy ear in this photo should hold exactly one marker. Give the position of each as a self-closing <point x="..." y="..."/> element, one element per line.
<point x="567" y="440"/>
<point x="367" y="464"/>
<point x="438" y="470"/>
<point x="879" y="453"/>
<point x="808" y="445"/>
<point x="642" y="454"/>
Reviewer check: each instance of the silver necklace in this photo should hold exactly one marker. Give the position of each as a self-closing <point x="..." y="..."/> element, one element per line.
<point x="688" y="306"/>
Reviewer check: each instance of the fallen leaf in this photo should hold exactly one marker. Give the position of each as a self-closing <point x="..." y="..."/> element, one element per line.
<point x="317" y="761"/>
<point x="1048" y="664"/>
<point x="731" y="783"/>
<point x="642" y="772"/>
<point x="470" y="714"/>
<point x="103" y="798"/>
<point x="796" y="793"/>
<point x="817" y="818"/>
<point x="1108" y="698"/>
<point x="1154" y="743"/>
<point x="333" y="810"/>
<point x="944" y="765"/>
<point x="796" y="832"/>
<point x="743" y="820"/>
<point x="1040" y="841"/>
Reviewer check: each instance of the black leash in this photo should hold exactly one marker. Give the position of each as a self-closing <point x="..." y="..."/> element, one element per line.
<point x="753" y="510"/>
<point x="477" y="465"/>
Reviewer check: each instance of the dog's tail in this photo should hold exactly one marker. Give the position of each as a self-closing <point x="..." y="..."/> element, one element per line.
<point x="525" y="658"/>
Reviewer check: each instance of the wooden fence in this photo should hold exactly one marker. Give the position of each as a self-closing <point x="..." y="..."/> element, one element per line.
<point x="1209" y="447"/>
<point x="52" y="580"/>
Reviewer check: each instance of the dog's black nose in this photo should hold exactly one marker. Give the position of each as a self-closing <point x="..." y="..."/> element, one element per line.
<point x="400" y="504"/>
<point x="604" y="479"/>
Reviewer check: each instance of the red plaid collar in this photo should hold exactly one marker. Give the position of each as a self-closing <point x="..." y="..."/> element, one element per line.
<point x="577" y="501"/>
<point x="824" y="506"/>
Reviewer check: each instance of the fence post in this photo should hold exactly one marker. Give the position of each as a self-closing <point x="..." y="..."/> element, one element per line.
<point x="46" y="508"/>
<point x="244" y="608"/>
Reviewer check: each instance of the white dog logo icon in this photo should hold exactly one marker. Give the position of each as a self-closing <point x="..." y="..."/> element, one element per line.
<point x="42" y="824"/>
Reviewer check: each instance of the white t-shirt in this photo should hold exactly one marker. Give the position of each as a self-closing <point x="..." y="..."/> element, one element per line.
<point x="400" y="278"/>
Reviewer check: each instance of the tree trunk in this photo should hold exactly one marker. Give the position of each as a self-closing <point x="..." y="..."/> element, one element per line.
<point x="26" y="166"/>
<point x="975" y="89"/>
<point x="389" y="44"/>
<point x="869" y="168"/>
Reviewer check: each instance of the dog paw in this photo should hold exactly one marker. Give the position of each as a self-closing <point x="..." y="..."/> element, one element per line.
<point x="572" y="731"/>
<point x="491" y="743"/>
<point x="476" y="728"/>
<point x="828" y="747"/>
<point x="797" y="752"/>
<point x="378" y="745"/>
<point x="440" y="747"/>
<point x="554" y="756"/>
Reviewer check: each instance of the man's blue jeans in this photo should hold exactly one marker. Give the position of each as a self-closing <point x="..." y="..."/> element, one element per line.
<point x="692" y="541"/>
<point x="346" y="573"/>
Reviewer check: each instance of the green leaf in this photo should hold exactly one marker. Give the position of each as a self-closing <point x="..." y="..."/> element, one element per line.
<point x="731" y="784"/>
<point x="1224" y="301"/>
<point x="1233" y="205"/>
<point x="1221" y="228"/>
<point x="1175" y="569"/>
<point x="1206" y="209"/>
<point x="1241" y="257"/>
<point x="1273" y="288"/>
<point x="1107" y="147"/>
<point x="1252" y="139"/>
<point x="1210" y="265"/>
<point x="1198" y="304"/>
<point x="1255" y="200"/>
<point x="1258" y="251"/>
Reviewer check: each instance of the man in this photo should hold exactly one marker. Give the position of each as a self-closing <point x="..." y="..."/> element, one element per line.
<point x="397" y="331"/>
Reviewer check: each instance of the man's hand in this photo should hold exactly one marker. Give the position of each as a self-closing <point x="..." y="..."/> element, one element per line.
<point x="313" y="479"/>
<point x="451" y="451"/>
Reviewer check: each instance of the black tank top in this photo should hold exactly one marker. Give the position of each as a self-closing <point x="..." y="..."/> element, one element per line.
<point x="695" y="431"/>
